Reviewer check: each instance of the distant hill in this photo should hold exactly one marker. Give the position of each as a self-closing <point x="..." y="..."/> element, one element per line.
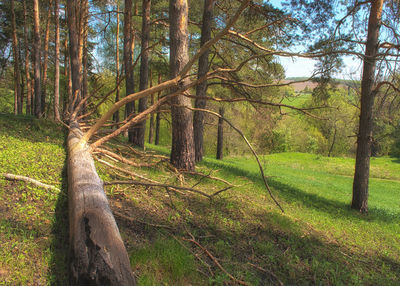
<point x="301" y="84"/>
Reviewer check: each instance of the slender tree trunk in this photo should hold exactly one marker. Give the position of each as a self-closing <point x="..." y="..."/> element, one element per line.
<point x="84" y="35"/>
<point x="46" y="59"/>
<point x="151" y="123"/>
<point x="74" y="52"/>
<point x="182" y="150"/>
<point x="27" y="65"/>
<point x="220" y="138"/>
<point x="144" y="71"/>
<point x="364" y="140"/>
<point x="201" y="89"/>
<point x="36" y="43"/>
<point x="116" y="114"/>
<point x="68" y="82"/>
<point x="158" y="118"/>
<point x="17" y="73"/>
<point x="128" y="61"/>
<point x="57" y="62"/>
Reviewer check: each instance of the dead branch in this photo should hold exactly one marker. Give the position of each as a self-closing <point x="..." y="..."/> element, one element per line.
<point x="172" y="83"/>
<point x="268" y="272"/>
<point x="250" y="147"/>
<point x="131" y="220"/>
<point x="12" y="177"/>
<point x="302" y="110"/>
<point x="122" y="159"/>
<point x="138" y="183"/>
<point x="124" y="171"/>
<point x="208" y="177"/>
<point x="192" y="240"/>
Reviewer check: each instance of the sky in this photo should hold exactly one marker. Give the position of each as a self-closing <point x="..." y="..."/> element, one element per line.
<point x="302" y="67"/>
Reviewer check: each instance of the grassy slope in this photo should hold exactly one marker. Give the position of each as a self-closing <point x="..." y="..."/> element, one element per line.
<point x="33" y="228"/>
<point x="318" y="240"/>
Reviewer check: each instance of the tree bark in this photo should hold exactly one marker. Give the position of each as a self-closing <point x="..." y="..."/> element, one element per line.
<point x="364" y="139"/>
<point x="182" y="150"/>
<point x="74" y="53"/>
<point x="158" y="118"/>
<point x="45" y="58"/>
<point x="57" y="62"/>
<point x="98" y="254"/>
<point x="201" y="89"/>
<point x="116" y="114"/>
<point x="128" y="62"/>
<point x="220" y="138"/>
<point x="17" y="73"/>
<point x="144" y="71"/>
<point x="27" y="65"/>
<point x="36" y="46"/>
<point x="151" y="123"/>
<point x="85" y="55"/>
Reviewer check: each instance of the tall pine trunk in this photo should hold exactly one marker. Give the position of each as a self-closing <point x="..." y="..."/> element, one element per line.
<point x="364" y="139"/>
<point x="46" y="58"/>
<point x="85" y="51"/>
<point x="128" y="62"/>
<point x="151" y="123"/>
<point x="144" y="71"/>
<point x="158" y="117"/>
<point x="16" y="58"/>
<point x="27" y="65"/>
<point x="182" y="150"/>
<point x="116" y="114"/>
<point x="36" y="46"/>
<point x="73" y="28"/>
<point x="57" y="62"/>
<point x="201" y="89"/>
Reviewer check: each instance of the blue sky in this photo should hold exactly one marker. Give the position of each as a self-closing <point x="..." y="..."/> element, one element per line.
<point x="301" y="67"/>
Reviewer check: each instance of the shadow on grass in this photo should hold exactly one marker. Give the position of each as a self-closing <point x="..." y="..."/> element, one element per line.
<point x="333" y="208"/>
<point x="271" y="241"/>
<point x="59" y="270"/>
<point x="15" y="125"/>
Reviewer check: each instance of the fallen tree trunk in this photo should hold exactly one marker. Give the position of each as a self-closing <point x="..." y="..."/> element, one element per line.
<point x="98" y="254"/>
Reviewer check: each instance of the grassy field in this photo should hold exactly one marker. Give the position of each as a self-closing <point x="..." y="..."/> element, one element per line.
<point x="175" y="237"/>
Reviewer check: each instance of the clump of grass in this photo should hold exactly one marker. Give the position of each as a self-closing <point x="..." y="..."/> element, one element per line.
<point x="164" y="262"/>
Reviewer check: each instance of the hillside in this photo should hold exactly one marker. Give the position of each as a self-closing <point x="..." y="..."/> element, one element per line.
<point x="177" y="236"/>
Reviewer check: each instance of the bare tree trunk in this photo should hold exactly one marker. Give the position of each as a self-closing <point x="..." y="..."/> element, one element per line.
<point x="158" y="118"/>
<point x="74" y="51"/>
<point x="182" y="150"/>
<point x="98" y="254"/>
<point x="67" y="75"/>
<point x="151" y="123"/>
<point x="361" y="175"/>
<point x="220" y="138"/>
<point x="17" y="73"/>
<point x="116" y="114"/>
<point x="144" y="71"/>
<point x="84" y="35"/>
<point x="46" y="58"/>
<point x="128" y="61"/>
<point x="57" y="62"/>
<point x="201" y="89"/>
<point x="36" y="46"/>
<point x="27" y="65"/>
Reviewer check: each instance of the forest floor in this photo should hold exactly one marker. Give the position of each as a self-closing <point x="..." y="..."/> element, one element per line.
<point x="180" y="237"/>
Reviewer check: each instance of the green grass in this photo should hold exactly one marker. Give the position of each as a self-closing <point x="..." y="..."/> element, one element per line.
<point x="319" y="240"/>
<point x="33" y="231"/>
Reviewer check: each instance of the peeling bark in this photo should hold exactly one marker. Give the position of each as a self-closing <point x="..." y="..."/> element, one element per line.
<point x="98" y="254"/>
